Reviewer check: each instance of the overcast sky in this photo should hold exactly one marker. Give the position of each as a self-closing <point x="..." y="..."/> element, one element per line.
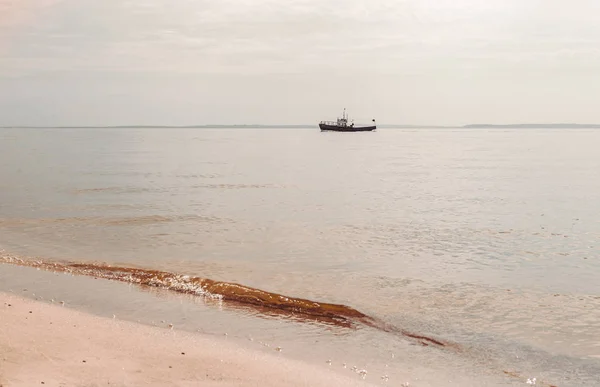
<point x="448" y="62"/>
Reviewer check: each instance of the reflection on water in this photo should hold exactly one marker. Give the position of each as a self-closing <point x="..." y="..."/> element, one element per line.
<point x="484" y="238"/>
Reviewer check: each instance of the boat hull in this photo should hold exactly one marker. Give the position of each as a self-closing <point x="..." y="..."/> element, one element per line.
<point x="335" y="128"/>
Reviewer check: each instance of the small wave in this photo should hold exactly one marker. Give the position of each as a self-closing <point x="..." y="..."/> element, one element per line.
<point x="108" y="221"/>
<point x="151" y="219"/>
<point x="225" y="291"/>
<point x="200" y="176"/>
<point x="236" y="186"/>
<point x="119" y="190"/>
<point x="146" y="175"/>
<point x="261" y="301"/>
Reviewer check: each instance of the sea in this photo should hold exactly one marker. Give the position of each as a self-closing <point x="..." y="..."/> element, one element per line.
<point x="427" y="257"/>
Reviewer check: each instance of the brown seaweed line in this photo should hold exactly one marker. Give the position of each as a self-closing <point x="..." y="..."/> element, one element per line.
<point x="260" y="300"/>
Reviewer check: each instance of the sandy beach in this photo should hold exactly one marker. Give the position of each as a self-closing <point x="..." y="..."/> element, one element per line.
<point x="52" y="345"/>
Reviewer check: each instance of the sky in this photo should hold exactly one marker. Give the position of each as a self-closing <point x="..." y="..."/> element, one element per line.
<point x="186" y="62"/>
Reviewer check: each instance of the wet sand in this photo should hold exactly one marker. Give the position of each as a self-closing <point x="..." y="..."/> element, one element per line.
<point x="51" y="345"/>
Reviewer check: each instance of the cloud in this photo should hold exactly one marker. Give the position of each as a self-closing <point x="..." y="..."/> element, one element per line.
<point x="263" y="36"/>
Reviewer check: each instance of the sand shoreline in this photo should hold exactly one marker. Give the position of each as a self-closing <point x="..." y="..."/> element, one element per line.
<point x="52" y="345"/>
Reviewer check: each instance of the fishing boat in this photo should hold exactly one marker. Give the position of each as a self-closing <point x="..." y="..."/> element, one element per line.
<point x="342" y="125"/>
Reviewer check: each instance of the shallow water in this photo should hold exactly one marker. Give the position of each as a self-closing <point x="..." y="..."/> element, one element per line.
<point x="485" y="238"/>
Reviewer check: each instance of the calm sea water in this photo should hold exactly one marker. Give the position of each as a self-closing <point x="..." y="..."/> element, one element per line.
<point x="487" y="238"/>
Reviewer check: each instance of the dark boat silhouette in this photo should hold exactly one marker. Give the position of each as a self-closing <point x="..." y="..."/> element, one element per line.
<point x="341" y="125"/>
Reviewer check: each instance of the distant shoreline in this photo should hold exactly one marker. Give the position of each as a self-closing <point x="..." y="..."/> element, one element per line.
<point x="534" y="126"/>
<point x="312" y="126"/>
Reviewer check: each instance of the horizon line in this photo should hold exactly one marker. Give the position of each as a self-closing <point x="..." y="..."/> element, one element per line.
<point x="283" y="126"/>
